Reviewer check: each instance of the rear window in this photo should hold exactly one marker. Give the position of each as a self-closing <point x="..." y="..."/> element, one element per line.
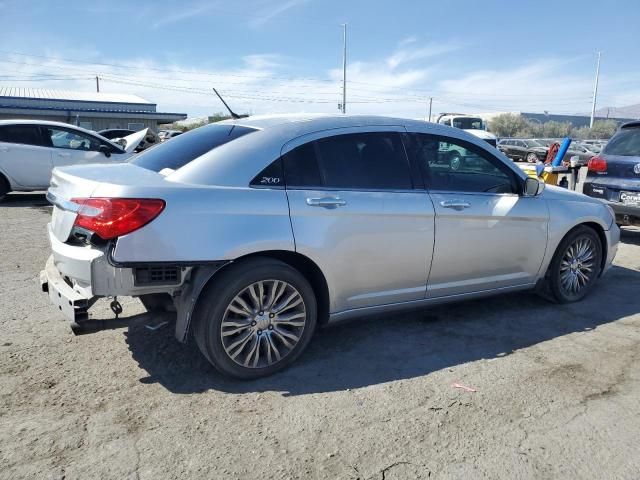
<point x="189" y="146"/>
<point x="626" y="143"/>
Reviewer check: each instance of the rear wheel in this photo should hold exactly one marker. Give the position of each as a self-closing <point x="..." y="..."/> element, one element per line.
<point x="532" y="157"/>
<point x="576" y="265"/>
<point x="255" y="319"/>
<point x="4" y="187"/>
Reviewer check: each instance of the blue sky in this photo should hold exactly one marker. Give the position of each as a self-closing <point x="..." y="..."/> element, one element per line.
<point x="285" y="56"/>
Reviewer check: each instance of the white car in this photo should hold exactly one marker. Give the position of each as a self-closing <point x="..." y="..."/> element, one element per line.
<point x="30" y="149"/>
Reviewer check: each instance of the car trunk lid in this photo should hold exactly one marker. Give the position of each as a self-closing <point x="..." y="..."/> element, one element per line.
<point x="81" y="181"/>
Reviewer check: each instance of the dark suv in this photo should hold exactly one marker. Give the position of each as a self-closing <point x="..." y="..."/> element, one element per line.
<point x="614" y="174"/>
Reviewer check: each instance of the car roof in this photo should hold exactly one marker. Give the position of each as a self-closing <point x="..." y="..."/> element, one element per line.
<point x="21" y="121"/>
<point x="634" y="124"/>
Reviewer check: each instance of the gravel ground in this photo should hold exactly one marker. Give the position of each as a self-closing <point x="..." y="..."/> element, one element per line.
<point x="558" y="389"/>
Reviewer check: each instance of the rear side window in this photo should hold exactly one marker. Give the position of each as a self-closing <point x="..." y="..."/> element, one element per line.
<point x="364" y="161"/>
<point x="189" y="146"/>
<point x="626" y="143"/>
<point x="24" y="134"/>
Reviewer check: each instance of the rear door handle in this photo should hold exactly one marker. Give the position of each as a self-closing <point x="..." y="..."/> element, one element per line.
<point x="64" y="154"/>
<point x="4" y="149"/>
<point x="455" y="204"/>
<point x="326" y="202"/>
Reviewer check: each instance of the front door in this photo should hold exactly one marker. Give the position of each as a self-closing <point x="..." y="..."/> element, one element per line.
<point x="71" y="147"/>
<point x="355" y="212"/>
<point x="488" y="236"/>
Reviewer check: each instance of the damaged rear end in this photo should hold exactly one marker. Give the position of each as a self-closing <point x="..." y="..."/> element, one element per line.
<point x="91" y="211"/>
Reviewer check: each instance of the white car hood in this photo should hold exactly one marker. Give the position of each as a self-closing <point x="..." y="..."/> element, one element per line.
<point x="130" y="142"/>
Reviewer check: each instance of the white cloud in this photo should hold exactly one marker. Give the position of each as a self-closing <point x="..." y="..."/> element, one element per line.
<point x="399" y="83"/>
<point x="173" y="15"/>
<point x="273" y="12"/>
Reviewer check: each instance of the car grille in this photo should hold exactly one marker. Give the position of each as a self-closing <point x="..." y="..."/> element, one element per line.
<point x="157" y="275"/>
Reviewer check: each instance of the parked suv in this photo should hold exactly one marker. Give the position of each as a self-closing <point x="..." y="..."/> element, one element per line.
<point x="295" y="221"/>
<point x="614" y="174"/>
<point x="523" y="150"/>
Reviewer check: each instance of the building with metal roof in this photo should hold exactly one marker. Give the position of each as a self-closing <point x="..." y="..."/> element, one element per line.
<point x="90" y="110"/>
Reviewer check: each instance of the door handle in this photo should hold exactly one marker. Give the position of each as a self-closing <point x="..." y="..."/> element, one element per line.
<point x="326" y="202"/>
<point x="455" y="204"/>
<point x="64" y="154"/>
<point x="4" y="149"/>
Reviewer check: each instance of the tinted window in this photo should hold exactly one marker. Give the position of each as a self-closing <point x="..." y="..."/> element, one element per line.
<point x="458" y="166"/>
<point x="626" y="142"/>
<point x="60" y="138"/>
<point x="184" y="148"/>
<point x="25" y="134"/>
<point x="368" y="161"/>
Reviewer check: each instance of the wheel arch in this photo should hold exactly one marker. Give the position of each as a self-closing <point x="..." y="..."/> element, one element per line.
<point x="202" y="277"/>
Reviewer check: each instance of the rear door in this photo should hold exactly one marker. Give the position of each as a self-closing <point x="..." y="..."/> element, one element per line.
<point x="487" y="235"/>
<point x="23" y="156"/>
<point x="71" y="147"/>
<point x="355" y="212"/>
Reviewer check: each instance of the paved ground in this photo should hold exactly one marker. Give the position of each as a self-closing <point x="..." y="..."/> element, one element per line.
<point x="558" y="389"/>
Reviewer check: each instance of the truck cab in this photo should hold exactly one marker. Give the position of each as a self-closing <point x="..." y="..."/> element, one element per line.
<point x="472" y="124"/>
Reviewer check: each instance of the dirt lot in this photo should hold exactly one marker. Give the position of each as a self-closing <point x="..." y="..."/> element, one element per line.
<point x="558" y="389"/>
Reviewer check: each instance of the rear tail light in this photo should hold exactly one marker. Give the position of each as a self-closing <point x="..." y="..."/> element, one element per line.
<point x="113" y="217"/>
<point x="597" y="164"/>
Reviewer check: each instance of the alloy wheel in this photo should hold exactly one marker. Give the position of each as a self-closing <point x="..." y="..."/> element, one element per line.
<point x="263" y="323"/>
<point x="577" y="268"/>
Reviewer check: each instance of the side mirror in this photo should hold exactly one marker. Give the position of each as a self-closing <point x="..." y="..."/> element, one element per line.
<point x="532" y="187"/>
<point x="105" y="149"/>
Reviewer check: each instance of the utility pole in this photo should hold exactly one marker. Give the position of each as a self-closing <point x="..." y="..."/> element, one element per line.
<point x="430" y="105"/>
<point x="97" y="84"/>
<point x="344" y="68"/>
<point x="595" y="92"/>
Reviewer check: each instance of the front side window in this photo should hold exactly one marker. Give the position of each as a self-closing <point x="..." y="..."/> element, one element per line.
<point x="23" y="134"/>
<point x="454" y="165"/>
<point x="363" y="161"/>
<point x="71" y="140"/>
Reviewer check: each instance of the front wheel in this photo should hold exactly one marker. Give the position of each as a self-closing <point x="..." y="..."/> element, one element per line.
<point x="576" y="265"/>
<point x="4" y="187"/>
<point x="532" y="158"/>
<point x="256" y="318"/>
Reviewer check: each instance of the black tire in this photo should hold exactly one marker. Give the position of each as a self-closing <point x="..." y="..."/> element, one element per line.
<point x="455" y="160"/>
<point x="554" y="274"/>
<point x="4" y="187"/>
<point x="158" y="302"/>
<point x="531" y="157"/>
<point x="216" y="299"/>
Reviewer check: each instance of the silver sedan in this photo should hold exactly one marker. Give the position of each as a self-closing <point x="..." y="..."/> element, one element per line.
<point x="284" y="223"/>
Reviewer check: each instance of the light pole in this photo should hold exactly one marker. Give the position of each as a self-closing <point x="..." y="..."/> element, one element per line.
<point x="344" y="68"/>
<point x="595" y="92"/>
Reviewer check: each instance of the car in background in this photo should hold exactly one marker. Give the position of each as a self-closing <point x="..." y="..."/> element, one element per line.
<point x="523" y="150"/>
<point x="113" y="133"/>
<point x="296" y="221"/>
<point x="576" y="149"/>
<point x="614" y="174"/>
<point x="150" y="139"/>
<point x="31" y="149"/>
<point x="168" y="134"/>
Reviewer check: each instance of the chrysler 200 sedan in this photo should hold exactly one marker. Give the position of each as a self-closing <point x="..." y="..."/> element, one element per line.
<point x="291" y="222"/>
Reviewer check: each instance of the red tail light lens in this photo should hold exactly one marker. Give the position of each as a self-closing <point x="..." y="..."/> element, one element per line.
<point x="597" y="164"/>
<point x="113" y="217"/>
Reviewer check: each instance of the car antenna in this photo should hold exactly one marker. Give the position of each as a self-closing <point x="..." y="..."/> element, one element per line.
<point x="233" y="114"/>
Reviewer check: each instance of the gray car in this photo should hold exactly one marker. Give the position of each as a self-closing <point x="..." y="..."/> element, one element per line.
<point x="291" y="222"/>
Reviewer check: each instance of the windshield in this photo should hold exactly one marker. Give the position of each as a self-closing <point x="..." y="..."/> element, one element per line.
<point x="626" y="143"/>
<point x="532" y="143"/>
<point x="187" y="147"/>
<point x="468" y="123"/>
